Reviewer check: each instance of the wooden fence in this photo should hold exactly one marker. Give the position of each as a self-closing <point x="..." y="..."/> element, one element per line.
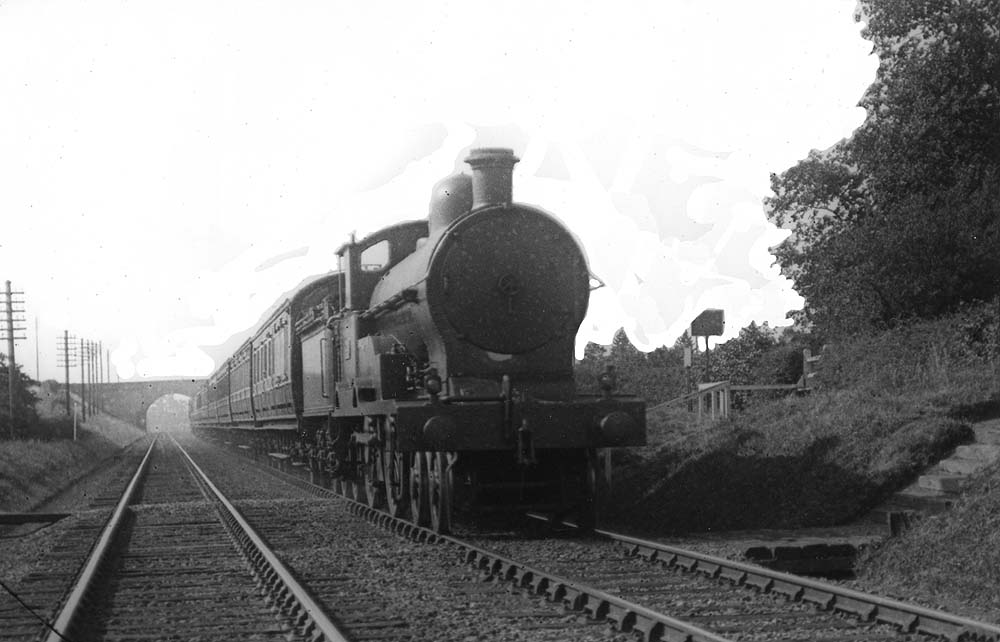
<point x="715" y="400"/>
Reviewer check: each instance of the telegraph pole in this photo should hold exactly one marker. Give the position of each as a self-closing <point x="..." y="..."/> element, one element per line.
<point x="92" y="364"/>
<point x="11" y="329"/>
<point x="11" y="370"/>
<point x="90" y="376"/>
<point x="100" y="375"/>
<point x="83" y="378"/>
<point x="93" y="378"/>
<point x="86" y="376"/>
<point x="66" y="354"/>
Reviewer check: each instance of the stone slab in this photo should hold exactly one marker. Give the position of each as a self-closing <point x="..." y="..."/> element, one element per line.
<point x="982" y="452"/>
<point x="813" y="566"/>
<point x="930" y="501"/>
<point x="948" y="483"/>
<point x="962" y="465"/>
<point x="987" y="433"/>
<point x="805" y="551"/>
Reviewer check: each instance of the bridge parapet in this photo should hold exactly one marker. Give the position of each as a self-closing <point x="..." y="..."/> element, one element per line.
<point x="130" y="400"/>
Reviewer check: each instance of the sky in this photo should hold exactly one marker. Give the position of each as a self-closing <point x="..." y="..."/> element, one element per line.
<point x="169" y="170"/>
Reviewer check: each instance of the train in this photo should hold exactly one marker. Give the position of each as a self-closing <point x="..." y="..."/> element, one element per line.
<point x="431" y="373"/>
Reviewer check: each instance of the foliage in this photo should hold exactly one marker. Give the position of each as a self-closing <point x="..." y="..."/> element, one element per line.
<point x="758" y="355"/>
<point x="24" y="402"/>
<point x="902" y="220"/>
<point x="918" y="355"/>
<point x="656" y="376"/>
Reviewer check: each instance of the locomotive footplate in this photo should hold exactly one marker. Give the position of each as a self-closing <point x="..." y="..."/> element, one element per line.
<point x="456" y="424"/>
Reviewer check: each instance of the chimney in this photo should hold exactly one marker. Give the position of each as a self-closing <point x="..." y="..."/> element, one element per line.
<point x="491" y="175"/>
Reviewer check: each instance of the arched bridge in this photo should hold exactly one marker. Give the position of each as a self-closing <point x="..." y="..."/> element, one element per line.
<point x="129" y="400"/>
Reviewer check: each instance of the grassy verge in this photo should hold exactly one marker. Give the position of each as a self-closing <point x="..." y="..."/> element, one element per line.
<point x="949" y="559"/>
<point x="32" y="471"/>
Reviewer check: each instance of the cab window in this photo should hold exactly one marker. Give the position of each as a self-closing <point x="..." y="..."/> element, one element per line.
<point x="375" y="257"/>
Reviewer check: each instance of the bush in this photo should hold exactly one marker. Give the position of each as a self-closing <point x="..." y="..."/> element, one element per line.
<point x="49" y="428"/>
<point x="24" y="402"/>
<point x="917" y="355"/>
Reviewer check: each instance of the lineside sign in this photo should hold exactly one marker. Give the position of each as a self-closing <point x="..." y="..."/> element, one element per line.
<point x="710" y="323"/>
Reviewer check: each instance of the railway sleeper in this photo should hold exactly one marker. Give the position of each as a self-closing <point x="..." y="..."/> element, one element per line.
<point x="626" y="619"/>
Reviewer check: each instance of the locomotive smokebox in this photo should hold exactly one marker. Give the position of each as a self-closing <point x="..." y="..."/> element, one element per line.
<point x="492" y="169"/>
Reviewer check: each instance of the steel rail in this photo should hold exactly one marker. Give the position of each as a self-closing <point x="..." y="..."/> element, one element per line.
<point x="908" y="617"/>
<point x="867" y="607"/>
<point x="628" y="616"/>
<point x="292" y="597"/>
<point x="597" y="604"/>
<point x="71" y="606"/>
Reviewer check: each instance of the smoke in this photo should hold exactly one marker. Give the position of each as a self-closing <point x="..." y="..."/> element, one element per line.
<point x="165" y="165"/>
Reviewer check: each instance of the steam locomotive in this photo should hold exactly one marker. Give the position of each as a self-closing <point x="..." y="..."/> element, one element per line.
<point x="433" y="371"/>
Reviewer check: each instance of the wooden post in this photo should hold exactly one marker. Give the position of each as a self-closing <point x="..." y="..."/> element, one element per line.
<point x="100" y="376"/>
<point x="83" y="379"/>
<point x="69" y="406"/>
<point x="11" y="369"/>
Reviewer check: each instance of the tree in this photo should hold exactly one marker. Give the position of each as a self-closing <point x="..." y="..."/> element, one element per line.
<point x="736" y="360"/>
<point x="901" y="220"/>
<point x="656" y="376"/>
<point x="25" y="415"/>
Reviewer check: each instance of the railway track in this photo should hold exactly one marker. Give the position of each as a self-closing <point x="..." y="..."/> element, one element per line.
<point x="728" y="598"/>
<point x="380" y="586"/>
<point x="175" y="561"/>
<point x="178" y="560"/>
<point x="40" y="593"/>
<point x="667" y="593"/>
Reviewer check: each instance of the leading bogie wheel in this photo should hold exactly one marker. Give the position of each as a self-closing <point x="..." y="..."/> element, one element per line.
<point x="419" y="509"/>
<point x="356" y="490"/>
<point x="439" y="491"/>
<point x="374" y="484"/>
<point x="397" y="482"/>
<point x="355" y="483"/>
<point x="590" y="504"/>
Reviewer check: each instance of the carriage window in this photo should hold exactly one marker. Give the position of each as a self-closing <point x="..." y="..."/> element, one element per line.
<point x="376" y="257"/>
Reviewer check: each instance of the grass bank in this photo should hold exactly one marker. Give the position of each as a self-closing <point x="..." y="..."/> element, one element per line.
<point x="887" y="406"/>
<point x="948" y="559"/>
<point x="32" y="471"/>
